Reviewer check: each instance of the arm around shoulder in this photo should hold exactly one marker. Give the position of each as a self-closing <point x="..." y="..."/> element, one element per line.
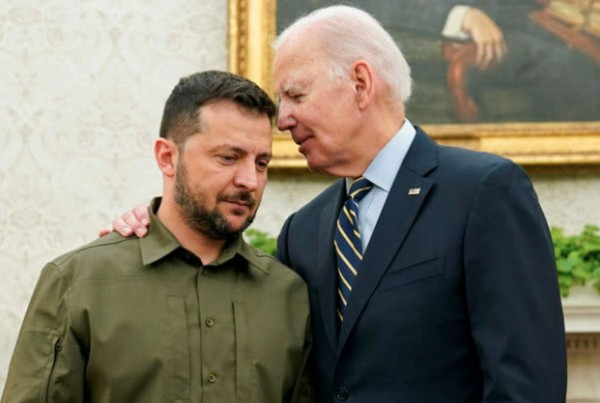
<point x="282" y="242"/>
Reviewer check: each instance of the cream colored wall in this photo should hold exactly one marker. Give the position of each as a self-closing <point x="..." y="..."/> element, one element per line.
<point x="82" y="85"/>
<point x="570" y="200"/>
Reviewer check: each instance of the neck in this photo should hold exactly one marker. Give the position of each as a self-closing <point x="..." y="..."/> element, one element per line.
<point x="377" y="133"/>
<point x="207" y="249"/>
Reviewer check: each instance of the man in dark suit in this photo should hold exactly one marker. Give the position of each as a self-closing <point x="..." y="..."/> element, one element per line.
<point x="456" y="297"/>
<point x="446" y="291"/>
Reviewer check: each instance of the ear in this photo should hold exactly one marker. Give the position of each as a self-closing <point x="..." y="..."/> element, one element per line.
<point x="166" y="154"/>
<point x="362" y="75"/>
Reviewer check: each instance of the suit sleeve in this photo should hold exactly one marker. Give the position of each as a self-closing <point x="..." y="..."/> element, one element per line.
<point x="512" y="292"/>
<point x="282" y="253"/>
<point x="47" y="364"/>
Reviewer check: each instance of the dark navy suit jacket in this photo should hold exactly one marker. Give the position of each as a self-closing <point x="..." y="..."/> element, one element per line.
<point x="457" y="297"/>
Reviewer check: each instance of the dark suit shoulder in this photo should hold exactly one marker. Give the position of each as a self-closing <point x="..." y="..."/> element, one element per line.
<point x="459" y="155"/>
<point x="460" y="162"/>
<point x="450" y="163"/>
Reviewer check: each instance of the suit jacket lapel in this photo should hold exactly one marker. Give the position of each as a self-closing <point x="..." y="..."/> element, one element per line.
<point x="398" y="214"/>
<point x="326" y="261"/>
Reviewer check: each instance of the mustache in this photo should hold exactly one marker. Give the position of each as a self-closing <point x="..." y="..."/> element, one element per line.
<point x="241" y="196"/>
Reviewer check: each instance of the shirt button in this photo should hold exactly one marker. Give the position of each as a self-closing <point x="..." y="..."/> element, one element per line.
<point x="210" y="322"/>
<point x="342" y="394"/>
<point x="212" y="378"/>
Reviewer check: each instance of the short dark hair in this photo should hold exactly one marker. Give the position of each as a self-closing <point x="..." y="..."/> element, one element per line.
<point x="181" y="115"/>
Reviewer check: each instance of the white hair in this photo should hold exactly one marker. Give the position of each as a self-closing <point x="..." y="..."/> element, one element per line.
<point x="349" y="34"/>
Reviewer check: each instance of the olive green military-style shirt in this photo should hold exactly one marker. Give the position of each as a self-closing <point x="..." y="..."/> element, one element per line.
<point x="128" y="320"/>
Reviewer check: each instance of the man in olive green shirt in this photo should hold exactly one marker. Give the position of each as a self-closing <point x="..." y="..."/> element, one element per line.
<point x="190" y="313"/>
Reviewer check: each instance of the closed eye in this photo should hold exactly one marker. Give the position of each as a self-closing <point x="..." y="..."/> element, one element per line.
<point x="227" y="159"/>
<point x="293" y="95"/>
<point x="296" y="97"/>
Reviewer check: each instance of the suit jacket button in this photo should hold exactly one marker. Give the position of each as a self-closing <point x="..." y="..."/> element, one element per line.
<point x="342" y="394"/>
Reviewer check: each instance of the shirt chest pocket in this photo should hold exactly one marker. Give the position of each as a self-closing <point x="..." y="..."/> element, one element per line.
<point x="270" y="335"/>
<point x="180" y="354"/>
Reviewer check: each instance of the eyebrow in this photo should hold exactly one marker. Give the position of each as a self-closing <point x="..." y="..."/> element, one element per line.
<point x="288" y="87"/>
<point x="291" y="88"/>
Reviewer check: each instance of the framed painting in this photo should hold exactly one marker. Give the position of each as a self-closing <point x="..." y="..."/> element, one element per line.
<point x="539" y="108"/>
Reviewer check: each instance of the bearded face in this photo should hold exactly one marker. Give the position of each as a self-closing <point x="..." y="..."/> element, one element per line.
<point x="206" y="220"/>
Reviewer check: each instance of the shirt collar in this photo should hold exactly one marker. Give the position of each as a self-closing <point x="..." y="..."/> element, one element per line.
<point x="239" y="248"/>
<point x="382" y="171"/>
<point x="160" y="242"/>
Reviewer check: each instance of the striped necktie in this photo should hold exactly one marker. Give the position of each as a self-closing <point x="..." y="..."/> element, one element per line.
<point x="348" y="246"/>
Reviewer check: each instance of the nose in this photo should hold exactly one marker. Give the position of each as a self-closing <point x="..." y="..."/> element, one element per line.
<point x="285" y="120"/>
<point x="246" y="176"/>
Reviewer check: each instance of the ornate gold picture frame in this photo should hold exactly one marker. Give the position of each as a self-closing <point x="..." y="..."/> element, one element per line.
<point x="252" y="30"/>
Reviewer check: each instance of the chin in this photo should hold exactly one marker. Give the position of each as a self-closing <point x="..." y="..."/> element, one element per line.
<point x="238" y="222"/>
<point x="315" y="166"/>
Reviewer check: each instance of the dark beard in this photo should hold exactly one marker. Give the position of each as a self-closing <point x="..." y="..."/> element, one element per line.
<point x="207" y="222"/>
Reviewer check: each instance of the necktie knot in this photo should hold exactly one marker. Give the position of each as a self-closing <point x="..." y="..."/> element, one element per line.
<point x="359" y="188"/>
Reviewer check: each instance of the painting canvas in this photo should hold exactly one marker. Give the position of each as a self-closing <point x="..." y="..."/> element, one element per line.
<point x="550" y="71"/>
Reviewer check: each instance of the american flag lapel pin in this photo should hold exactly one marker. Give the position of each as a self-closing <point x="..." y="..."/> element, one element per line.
<point x="414" y="191"/>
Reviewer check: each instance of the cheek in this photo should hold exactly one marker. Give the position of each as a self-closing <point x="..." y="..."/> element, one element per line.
<point x="210" y="189"/>
<point x="333" y="137"/>
<point x="262" y="182"/>
<point x="329" y="119"/>
<point x="311" y="112"/>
